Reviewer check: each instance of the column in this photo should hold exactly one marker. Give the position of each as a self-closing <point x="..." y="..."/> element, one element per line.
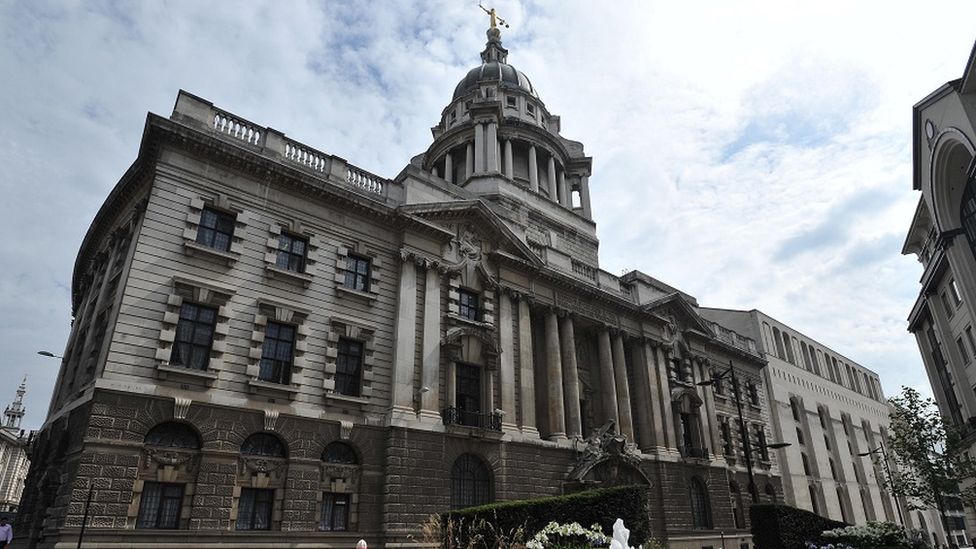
<point x="498" y="154"/>
<point x="479" y="148"/>
<point x="468" y="161"/>
<point x="554" y="377"/>
<point x="553" y="183"/>
<point x="623" y="391"/>
<point x="710" y="423"/>
<point x="564" y="196"/>
<point x="491" y="147"/>
<point x="667" y="413"/>
<point x="405" y="346"/>
<point x="506" y="373"/>
<point x="526" y="373"/>
<point x="642" y="398"/>
<point x="509" y="170"/>
<point x="450" y="385"/>
<point x="449" y="168"/>
<point x="533" y="170"/>
<point x="431" y="351"/>
<point x="570" y="377"/>
<point x="608" y="387"/>
<point x="585" y="196"/>
<point x="433" y="171"/>
<point x="655" y="397"/>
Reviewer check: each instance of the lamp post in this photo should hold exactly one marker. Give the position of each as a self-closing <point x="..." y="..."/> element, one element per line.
<point x="48" y="354"/>
<point x="746" y="444"/>
<point x="884" y="456"/>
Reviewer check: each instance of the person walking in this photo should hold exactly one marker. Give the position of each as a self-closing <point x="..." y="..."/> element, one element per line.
<point x="6" y="533"/>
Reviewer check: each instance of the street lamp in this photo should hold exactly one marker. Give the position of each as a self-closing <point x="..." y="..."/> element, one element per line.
<point x="48" y="354"/>
<point x="884" y="455"/>
<point x="746" y="444"/>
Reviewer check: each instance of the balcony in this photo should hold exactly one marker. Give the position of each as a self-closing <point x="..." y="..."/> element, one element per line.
<point x="488" y="421"/>
<point x="693" y="452"/>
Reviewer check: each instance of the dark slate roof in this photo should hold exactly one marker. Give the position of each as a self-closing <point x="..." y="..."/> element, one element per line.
<point x="494" y="71"/>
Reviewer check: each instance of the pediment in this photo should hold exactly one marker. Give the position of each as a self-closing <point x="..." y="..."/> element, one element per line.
<point x="472" y="220"/>
<point x="676" y="311"/>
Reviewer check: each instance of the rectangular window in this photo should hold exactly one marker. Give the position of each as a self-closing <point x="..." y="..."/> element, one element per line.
<point x="511" y="101"/>
<point x="335" y="512"/>
<point x="530" y="108"/>
<point x="469" y="305"/>
<point x="727" y="438"/>
<point x="160" y="506"/>
<point x="962" y="350"/>
<point x="254" y="509"/>
<point x="761" y="442"/>
<point x="954" y="292"/>
<point x="277" y="353"/>
<point x="799" y="436"/>
<point x="945" y="304"/>
<point x="795" y="408"/>
<point x="971" y="339"/>
<point x="349" y="367"/>
<point x="291" y="253"/>
<point x="216" y="229"/>
<point x="827" y="442"/>
<point x="806" y="464"/>
<point x="357" y="273"/>
<point x="194" y="337"/>
<point x="468" y="394"/>
<point x="753" y="393"/>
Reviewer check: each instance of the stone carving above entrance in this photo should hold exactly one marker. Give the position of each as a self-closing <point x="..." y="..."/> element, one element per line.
<point x="607" y="460"/>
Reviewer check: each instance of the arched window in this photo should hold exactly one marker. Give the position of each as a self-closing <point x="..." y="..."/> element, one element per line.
<point x="736" y="494"/>
<point x="339" y="452"/>
<point x="814" y="500"/>
<point x="842" y="501"/>
<point x="263" y="444"/>
<point x="470" y="482"/>
<point x="701" y="512"/>
<point x="770" y="493"/>
<point x="173" y="435"/>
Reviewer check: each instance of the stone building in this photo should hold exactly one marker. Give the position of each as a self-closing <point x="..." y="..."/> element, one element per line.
<point x="830" y="410"/>
<point x="272" y="344"/>
<point x="943" y="237"/>
<point x="13" y="455"/>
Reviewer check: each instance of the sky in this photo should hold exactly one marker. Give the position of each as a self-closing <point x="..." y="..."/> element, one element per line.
<point x="755" y="154"/>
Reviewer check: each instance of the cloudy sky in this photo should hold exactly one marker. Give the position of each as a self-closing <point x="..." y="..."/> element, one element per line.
<point x="755" y="154"/>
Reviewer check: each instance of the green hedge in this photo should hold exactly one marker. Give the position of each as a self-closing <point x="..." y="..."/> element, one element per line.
<point x="785" y="527"/>
<point x="604" y="506"/>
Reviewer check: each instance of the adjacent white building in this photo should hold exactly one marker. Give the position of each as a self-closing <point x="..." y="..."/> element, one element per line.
<point x="13" y="455"/>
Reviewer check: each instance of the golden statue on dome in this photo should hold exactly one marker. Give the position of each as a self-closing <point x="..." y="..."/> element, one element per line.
<point x="495" y="19"/>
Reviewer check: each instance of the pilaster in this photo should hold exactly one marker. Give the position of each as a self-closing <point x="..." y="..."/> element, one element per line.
<point x="431" y="350"/>
<point x="571" y="392"/>
<point x="506" y="373"/>
<point x="554" y="377"/>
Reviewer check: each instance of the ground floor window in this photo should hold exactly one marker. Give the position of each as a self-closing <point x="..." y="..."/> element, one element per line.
<point x="254" y="509"/>
<point x="160" y="505"/>
<point x="335" y="512"/>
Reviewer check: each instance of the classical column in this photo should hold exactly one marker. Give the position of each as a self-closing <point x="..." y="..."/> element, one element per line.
<point x="450" y="385"/>
<point x="433" y="171"/>
<point x="405" y="346"/>
<point x="564" y="195"/>
<point x="653" y="404"/>
<point x="623" y="391"/>
<point x="468" y="161"/>
<point x="431" y="350"/>
<point x="571" y="391"/>
<point x="449" y="168"/>
<point x="491" y="147"/>
<point x="711" y="425"/>
<point x="553" y="183"/>
<point x="506" y="373"/>
<point x="533" y="170"/>
<point x="554" y="377"/>
<point x="526" y="373"/>
<point x="479" y="148"/>
<point x="498" y="155"/>
<point x="608" y="387"/>
<point x="667" y="413"/>
<point x="585" y="196"/>
<point x="643" y="424"/>
<point x="509" y="169"/>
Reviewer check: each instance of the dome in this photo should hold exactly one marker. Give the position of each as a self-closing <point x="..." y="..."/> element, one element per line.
<point x="494" y="71"/>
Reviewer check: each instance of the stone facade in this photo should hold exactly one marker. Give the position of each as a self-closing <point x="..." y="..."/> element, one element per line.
<point x="449" y="339"/>
<point x="13" y="455"/>
<point x="943" y="238"/>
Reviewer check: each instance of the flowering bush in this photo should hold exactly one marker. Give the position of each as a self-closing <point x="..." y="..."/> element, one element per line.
<point x="873" y="535"/>
<point x="568" y="536"/>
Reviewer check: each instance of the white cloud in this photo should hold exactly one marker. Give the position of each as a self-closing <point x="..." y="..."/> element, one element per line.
<point x="818" y="95"/>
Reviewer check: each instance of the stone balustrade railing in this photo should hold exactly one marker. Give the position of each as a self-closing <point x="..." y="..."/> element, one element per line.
<point x="235" y="127"/>
<point x="584" y="270"/>
<point x="306" y="156"/>
<point x="366" y="181"/>
<point x="733" y="338"/>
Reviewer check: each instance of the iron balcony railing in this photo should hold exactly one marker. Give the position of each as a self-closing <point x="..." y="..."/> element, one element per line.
<point x="693" y="452"/>
<point x="489" y="421"/>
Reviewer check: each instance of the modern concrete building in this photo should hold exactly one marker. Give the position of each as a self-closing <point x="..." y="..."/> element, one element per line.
<point x="943" y="237"/>
<point x="13" y="455"/>
<point x="830" y="410"/>
<point x="271" y="344"/>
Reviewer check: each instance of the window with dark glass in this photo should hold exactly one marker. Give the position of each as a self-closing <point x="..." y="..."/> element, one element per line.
<point x="263" y="445"/>
<point x="470" y="482"/>
<point x="761" y="442"/>
<point x="701" y="513"/>
<point x="799" y="436"/>
<point x="335" y="512"/>
<point x="806" y="464"/>
<point x="954" y="291"/>
<point x="511" y="101"/>
<point x="727" y="439"/>
<point x="194" y="337"/>
<point x="468" y="393"/>
<point x="718" y="384"/>
<point x="339" y="452"/>
<point x="173" y="435"/>
<point x="349" y="367"/>
<point x="357" y="273"/>
<point x="814" y="500"/>
<point x="736" y="494"/>
<point x="277" y="353"/>
<point x="795" y="408"/>
<point x="753" y="393"/>
<point x="254" y="509"/>
<point x="216" y="229"/>
<point x="291" y="253"/>
<point x="160" y="505"/>
<point x="686" y="429"/>
<point x="468" y="302"/>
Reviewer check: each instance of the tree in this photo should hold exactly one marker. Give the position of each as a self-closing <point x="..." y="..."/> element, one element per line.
<point x="931" y="455"/>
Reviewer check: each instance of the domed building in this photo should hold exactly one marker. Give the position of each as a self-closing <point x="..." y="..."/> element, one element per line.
<point x="273" y="345"/>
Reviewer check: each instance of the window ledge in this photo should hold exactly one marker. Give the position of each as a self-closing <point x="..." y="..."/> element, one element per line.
<point x="192" y="248"/>
<point x="164" y="370"/>
<point x="304" y="278"/>
<point x="461" y="319"/>
<point x="347" y="398"/>
<point x="257" y="385"/>
<point x="358" y="294"/>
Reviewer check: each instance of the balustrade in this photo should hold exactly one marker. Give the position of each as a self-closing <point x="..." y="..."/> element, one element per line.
<point x="308" y="157"/>
<point x="365" y="180"/>
<point x="488" y="421"/>
<point x="584" y="270"/>
<point x="234" y="127"/>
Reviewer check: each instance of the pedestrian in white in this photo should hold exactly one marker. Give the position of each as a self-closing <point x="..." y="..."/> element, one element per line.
<point x="6" y="533"/>
<point x="361" y="544"/>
